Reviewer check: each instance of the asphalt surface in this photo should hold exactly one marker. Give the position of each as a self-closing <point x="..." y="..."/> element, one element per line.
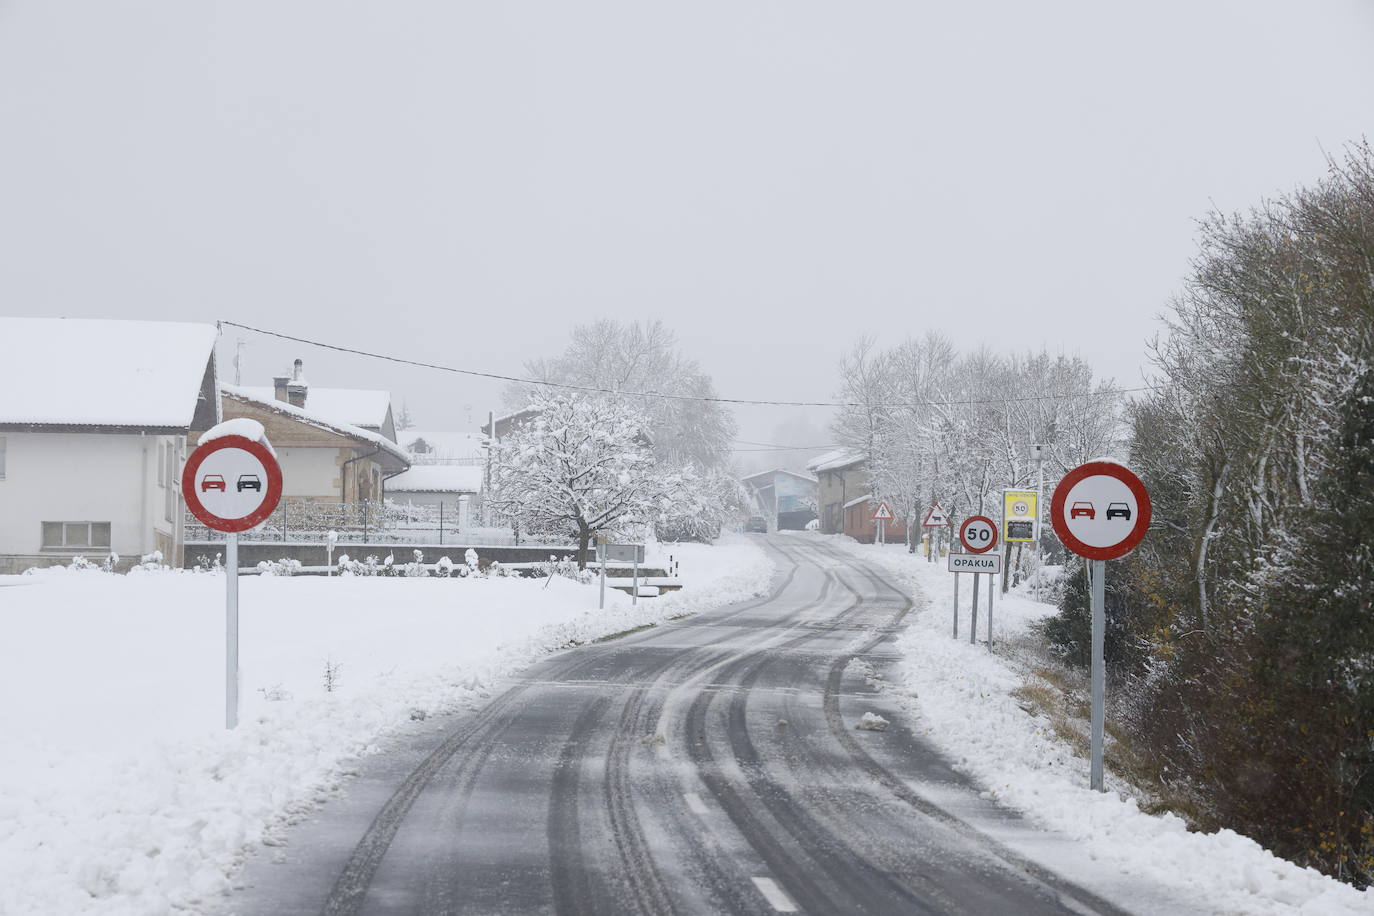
<point x="707" y="766"/>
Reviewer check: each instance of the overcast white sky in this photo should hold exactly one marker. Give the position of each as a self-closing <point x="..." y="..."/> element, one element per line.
<point x="463" y="182"/>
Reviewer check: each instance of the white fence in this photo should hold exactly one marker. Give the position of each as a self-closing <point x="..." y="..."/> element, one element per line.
<point x="309" y="521"/>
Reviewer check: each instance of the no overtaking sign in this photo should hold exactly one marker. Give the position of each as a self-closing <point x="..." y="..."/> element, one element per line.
<point x="232" y="483"/>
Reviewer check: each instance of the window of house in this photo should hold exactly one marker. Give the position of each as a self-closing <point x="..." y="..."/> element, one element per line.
<point x="71" y="535"/>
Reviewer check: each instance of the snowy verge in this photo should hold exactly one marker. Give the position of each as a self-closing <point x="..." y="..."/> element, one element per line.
<point x="120" y="791"/>
<point x="964" y="695"/>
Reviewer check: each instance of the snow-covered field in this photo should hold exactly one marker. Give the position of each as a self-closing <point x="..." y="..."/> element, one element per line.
<point x="120" y="790"/>
<point x="964" y="695"/>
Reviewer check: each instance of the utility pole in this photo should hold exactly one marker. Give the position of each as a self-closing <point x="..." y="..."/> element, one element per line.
<point x="1038" y="453"/>
<point x="238" y="361"/>
<point x="486" y="478"/>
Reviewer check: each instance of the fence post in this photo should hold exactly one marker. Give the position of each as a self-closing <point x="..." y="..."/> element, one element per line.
<point x="283" y="520"/>
<point x="441" y="521"/>
<point x="366" y="504"/>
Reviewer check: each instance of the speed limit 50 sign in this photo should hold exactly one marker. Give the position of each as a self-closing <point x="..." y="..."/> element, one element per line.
<point x="978" y="534"/>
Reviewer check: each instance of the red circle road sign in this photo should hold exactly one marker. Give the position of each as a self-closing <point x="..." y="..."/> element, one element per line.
<point x="231" y="483"/>
<point x="1100" y="510"/>
<point x="978" y="534"/>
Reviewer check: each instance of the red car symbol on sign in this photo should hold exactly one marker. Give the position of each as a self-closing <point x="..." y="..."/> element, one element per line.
<point x="1081" y="509"/>
<point x="212" y="482"/>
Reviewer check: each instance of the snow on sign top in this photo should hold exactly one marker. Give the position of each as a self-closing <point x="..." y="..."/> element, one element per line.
<point x="98" y="372"/>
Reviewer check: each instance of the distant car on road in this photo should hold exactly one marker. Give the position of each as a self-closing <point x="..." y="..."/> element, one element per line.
<point x="249" y="482"/>
<point x="1118" y="510"/>
<point x="757" y="524"/>
<point x="212" y="482"/>
<point x="1078" y="510"/>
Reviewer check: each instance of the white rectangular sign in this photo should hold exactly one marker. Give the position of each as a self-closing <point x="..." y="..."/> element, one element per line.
<point x="975" y="562"/>
<point x="622" y="553"/>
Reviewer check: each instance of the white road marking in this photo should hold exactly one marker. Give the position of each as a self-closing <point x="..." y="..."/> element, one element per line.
<point x="695" y="803"/>
<point x="776" y="898"/>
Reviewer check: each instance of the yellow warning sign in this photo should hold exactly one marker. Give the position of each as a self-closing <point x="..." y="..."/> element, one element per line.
<point x="1020" y="515"/>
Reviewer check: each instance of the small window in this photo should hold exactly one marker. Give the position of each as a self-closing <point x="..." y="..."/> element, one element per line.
<point x="75" y="535"/>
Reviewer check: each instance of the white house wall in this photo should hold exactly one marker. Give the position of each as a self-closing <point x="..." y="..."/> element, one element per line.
<point x="310" y="473"/>
<point x="75" y="477"/>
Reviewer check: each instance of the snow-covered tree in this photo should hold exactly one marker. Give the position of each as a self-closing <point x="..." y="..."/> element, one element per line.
<point x="940" y="427"/>
<point x="635" y="357"/>
<point x="580" y="467"/>
<point x="716" y="501"/>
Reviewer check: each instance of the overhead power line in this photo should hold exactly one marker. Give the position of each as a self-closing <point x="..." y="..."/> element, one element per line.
<point x="675" y="397"/>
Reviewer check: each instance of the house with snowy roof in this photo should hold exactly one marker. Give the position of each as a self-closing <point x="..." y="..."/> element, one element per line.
<point x="847" y="501"/>
<point x="842" y="476"/>
<point x="322" y="459"/>
<point x="428" y="446"/>
<point x="365" y="408"/>
<point x="787" y="499"/>
<point x="95" y="417"/>
<point x="452" y="490"/>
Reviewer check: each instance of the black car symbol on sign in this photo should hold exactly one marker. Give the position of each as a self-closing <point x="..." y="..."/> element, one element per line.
<point x="249" y="482"/>
<point x="1118" y="510"/>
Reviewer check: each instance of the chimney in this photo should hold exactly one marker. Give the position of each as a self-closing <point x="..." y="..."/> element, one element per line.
<point x="279" y="387"/>
<point x="297" y="387"/>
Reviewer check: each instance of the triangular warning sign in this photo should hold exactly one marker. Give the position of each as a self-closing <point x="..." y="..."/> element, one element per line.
<point x="882" y="513"/>
<point x="935" y="518"/>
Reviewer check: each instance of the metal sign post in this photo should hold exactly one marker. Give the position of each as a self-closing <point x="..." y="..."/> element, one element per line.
<point x="621" y="553"/>
<point x="232" y="483"/>
<point x="934" y="520"/>
<point x="881" y="516"/>
<point x="1099" y="676"/>
<point x="231" y="631"/>
<point x="979" y="536"/>
<point x="1101" y="512"/>
<point x="992" y="581"/>
<point x="973" y="613"/>
<point x="601" y="561"/>
<point x="956" y="605"/>
<point x="1038" y="453"/>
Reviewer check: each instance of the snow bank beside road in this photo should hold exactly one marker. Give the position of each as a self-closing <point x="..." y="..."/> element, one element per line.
<point x="964" y="696"/>
<point x="120" y="792"/>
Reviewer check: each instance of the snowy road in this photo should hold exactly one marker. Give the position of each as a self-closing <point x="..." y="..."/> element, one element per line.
<point x="707" y="766"/>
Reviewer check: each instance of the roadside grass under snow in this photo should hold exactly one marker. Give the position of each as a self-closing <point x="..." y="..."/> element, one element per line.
<point x="974" y="704"/>
<point x="120" y="789"/>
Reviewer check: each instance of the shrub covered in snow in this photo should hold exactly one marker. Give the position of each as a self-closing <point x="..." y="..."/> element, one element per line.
<point x="283" y="567"/>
